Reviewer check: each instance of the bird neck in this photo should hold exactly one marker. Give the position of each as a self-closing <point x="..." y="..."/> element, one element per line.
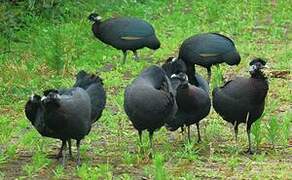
<point x="96" y="27"/>
<point x="191" y="72"/>
<point x="32" y="112"/>
<point x="258" y="75"/>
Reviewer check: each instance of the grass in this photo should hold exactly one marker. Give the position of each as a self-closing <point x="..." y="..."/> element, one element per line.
<point x="54" y="44"/>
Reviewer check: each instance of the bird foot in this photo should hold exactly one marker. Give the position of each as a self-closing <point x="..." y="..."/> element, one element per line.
<point x="249" y="151"/>
<point x="78" y="162"/>
<point x="59" y="155"/>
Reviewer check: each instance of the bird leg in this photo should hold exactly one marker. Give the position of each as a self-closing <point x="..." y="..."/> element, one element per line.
<point x="199" y="134"/>
<point x="151" y="143"/>
<point x="136" y="57"/>
<point x="189" y="134"/>
<point x="248" y="126"/>
<point x="64" y="154"/>
<point x="151" y="138"/>
<point x="61" y="149"/>
<point x="209" y="74"/>
<point x="140" y="144"/>
<point x="125" y="56"/>
<point x="249" y="151"/>
<point x="78" y="152"/>
<point x="235" y="130"/>
<point x="140" y="137"/>
<point x="70" y="148"/>
<point x="182" y="130"/>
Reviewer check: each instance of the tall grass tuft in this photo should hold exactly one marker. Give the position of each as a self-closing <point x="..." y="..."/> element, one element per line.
<point x="287" y="120"/>
<point x="257" y="132"/>
<point x="160" y="172"/>
<point x="273" y="130"/>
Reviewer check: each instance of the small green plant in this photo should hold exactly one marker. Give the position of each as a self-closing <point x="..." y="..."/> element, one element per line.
<point x="287" y="120"/>
<point x="257" y="132"/>
<point x="233" y="162"/>
<point x="159" y="169"/>
<point x="28" y="169"/>
<point x="105" y="171"/>
<point x="11" y="151"/>
<point x="188" y="152"/>
<point x="218" y="77"/>
<point x="58" y="172"/>
<point x="128" y="158"/>
<point x="273" y="130"/>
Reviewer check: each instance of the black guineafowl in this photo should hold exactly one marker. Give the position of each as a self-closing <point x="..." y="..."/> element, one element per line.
<point x="150" y="100"/>
<point x="68" y="115"/>
<point x="63" y="113"/>
<point x="124" y="33"/>
<point x="209" y="49"/>
<point x="192" y="99"/>
<point x="242" y="100"/>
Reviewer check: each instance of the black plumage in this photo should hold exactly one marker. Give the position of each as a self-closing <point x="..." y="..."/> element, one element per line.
<point x="124" y="33"/>
<point x="192" y="99"/>
<point x="63" y="113"/>
<point x="94" y="87"/>
<point x="242" y="100"/>
<point x="209" y="49"/>
<point x="150" y="100"/>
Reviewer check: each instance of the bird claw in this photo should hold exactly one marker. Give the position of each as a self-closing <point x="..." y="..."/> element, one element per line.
<point x="249" y="151"/>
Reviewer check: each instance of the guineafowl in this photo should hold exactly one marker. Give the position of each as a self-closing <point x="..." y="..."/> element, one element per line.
<point x="192" y="99"/>
<point x="64" y="115"/>
<point x="124" y="33"/>
<point x="94" y="87"/>
<point x="242" y="100"/>
<point x="149" y="100"/>
<point x="209" y="49"/>
<point x="34" y="112"/>
<point x="69" y="115"/>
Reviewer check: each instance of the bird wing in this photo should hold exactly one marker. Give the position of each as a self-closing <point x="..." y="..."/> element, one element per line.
<point x="128" y="28"/>
<point x="129" y="38"/>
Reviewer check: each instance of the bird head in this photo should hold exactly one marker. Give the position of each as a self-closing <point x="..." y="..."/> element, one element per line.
<point x="51" y="98"/>
<point x="174" y="66"/>
<point x="94" y="17"/>
<point x="181" y="77"/>
<point x="32" y="106"/>
<point x="257" y="65"/>
<point x="34" y="99"/>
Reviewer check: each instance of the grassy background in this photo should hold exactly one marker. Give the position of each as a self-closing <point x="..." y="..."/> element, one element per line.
<point x="44" y="44"/>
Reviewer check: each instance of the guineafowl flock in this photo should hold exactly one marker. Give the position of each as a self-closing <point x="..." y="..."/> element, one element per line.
<point x="173" y="95"/>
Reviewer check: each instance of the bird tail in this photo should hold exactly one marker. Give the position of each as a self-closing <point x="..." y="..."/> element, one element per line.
<point x="93" y="85"/>
<point x="153" y="43"/>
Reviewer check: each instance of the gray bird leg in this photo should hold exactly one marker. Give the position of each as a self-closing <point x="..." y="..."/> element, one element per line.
<point x="78" y="153"/>
<point x="125" y="56"/>
<point x="70" y="148"/>
<point x="209" y="74"/>
<point x="199" y="134"/>
<point x="235" y="131"/>
<point x="248" y="127"/>
<point x="189" y="134"/>
<point x="64" y="155"/>
<point x="61" y="149"/>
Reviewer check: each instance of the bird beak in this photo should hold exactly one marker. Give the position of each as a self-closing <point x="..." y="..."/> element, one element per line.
<point x="98" y="18"/>
<point x="43" y="98"/>
<point x="31" y="96"/>
<point x="173" y="60"/>
<point x="252" y="68"/>
<point x="174" y="76"/>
